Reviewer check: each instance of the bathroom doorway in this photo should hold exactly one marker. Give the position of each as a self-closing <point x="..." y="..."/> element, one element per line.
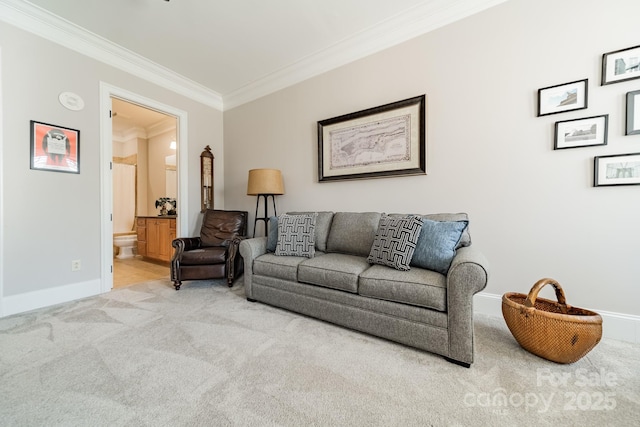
<point x="144" y="152"/>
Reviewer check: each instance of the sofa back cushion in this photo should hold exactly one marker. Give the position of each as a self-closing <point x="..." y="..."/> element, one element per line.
<point x="353" y="232"/>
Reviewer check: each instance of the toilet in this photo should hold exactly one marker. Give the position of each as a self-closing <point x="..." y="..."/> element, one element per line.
<point x="125" y="243"/>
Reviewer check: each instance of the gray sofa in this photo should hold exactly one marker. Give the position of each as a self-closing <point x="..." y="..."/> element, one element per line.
<point x="429" y="310"/>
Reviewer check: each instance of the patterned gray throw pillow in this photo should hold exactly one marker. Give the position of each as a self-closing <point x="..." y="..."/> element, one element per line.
<point x="296" y="235"/>
<point x="395" y="241"/>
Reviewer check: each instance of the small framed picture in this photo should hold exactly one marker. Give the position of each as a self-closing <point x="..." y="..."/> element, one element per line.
<point x="619" y="169"/>
<point x="564" y="97"/>
<point x="581" y="132"/>
<point x="633" y="113"/>
<point x="54" y="148"/>
<point x="621" y="65"/>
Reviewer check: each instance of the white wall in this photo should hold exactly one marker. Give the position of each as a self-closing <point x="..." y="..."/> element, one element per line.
<point x="50" y="219"/>
<point x="533" y="210"/>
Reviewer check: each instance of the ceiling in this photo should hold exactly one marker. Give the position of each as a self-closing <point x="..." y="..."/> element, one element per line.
<point x="128" y="117"/>
<point x="242" y="49"/>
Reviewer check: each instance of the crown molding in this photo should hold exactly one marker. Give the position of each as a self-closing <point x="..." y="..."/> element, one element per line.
<point x="36" y="20"/>
<point x="129" y="134"/>
<point x="409" y="24"/>
<point x="163" y="126"/>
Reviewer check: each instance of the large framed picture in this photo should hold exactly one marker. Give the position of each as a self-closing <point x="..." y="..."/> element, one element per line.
<point x="633" y="113"/>
<point x="54" y="148"/>
<point x="384" y="141"/>
<point x="621" y="65"/>
<point x="563" y="97"/>
<point x="619" y="169"/>
<point x="581" y="132"/>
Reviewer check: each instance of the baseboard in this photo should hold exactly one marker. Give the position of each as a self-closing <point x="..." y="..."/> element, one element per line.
<point x="37" y="299"/>
<point x="617" y="326"/>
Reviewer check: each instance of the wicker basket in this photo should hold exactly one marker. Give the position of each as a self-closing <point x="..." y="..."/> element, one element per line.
<point x="552" y="330"/>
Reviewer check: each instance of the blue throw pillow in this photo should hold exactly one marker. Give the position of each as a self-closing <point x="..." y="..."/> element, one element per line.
<point x="437" y="243"/>
<point x="272" y="235"/>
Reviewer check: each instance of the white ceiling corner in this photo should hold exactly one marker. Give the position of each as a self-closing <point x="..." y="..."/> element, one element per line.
<point x="410" y="19"/>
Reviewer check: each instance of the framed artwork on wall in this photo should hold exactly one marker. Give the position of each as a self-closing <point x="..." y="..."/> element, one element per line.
<point x="563" y="97"/>
<point x="619" y="169"/>
<point x="383" y="141"/>
<point x="583" y="132"/>
<point x="633" y="113"/>
<point x="54" y="148"/>
<point x="621" y="65"/>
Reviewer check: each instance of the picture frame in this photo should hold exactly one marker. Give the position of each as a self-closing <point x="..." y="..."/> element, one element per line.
<point x="563" y="97"/>
<point x="383" y="141"/>
<point x="617" y="169"/>
<point x="621" y="65"/>
<point x="633" y="113"/>
<point x="584" y="132"/>
<point x="54" y="148"/>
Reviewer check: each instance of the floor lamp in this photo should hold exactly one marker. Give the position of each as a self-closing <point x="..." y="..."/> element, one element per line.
<point x="264" y="183"/>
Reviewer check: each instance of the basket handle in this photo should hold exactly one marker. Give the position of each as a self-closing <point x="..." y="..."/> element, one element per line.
<point x="533" y="293"/>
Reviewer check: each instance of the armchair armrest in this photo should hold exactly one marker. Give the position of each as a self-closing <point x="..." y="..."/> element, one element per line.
<point x="186" y="243"/>
<point x="180" y="245"/>
<point x="234" y="260"/>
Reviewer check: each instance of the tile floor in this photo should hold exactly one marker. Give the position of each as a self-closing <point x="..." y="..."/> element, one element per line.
<point x="130" y="271"/>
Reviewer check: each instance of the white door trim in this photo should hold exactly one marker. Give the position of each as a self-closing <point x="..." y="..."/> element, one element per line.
<point x="2" y="311"/>
<point x="108" y="91"/>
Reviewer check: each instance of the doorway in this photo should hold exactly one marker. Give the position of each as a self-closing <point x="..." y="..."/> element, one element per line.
<point x="143" y="124"/>
<point x="144" y="147"/>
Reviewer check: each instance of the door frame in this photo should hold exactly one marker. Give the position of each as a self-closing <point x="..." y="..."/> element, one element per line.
<point x="107" y="92"/>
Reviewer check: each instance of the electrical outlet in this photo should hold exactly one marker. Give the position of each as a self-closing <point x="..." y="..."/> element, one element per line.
<point x="75" y="265"/>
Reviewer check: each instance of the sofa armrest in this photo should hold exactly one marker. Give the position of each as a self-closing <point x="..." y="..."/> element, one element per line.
<point x="468" y="275"/>
<point x="469" y="271"/>
<point x="250" y="249"/>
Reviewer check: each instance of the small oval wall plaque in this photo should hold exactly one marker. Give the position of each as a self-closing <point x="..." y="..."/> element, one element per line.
<point x="71" y="101"/>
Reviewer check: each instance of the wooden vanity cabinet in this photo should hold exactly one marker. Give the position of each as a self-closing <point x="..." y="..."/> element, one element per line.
<point x="155" y="235"/>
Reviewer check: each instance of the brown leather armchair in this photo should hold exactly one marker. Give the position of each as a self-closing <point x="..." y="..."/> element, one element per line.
<point x="213" y="255"/>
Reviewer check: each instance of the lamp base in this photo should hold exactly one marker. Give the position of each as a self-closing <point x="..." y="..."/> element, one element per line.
<point x="265" y="218"/>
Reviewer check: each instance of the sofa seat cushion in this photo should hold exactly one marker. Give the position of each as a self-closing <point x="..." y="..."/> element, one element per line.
<point x="419" y="287"/>
<point x="336" y="271"/>
<point x="204" y="256"/>
<point x="281" y="267"/>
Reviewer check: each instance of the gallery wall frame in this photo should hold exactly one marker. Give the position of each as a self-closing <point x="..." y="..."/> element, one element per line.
<point x="383" y="141"/>
<point x="617" y="169"/>
<point x="633" y="113"/>
<point x="621" y="65"/>
<point x="54" y="148"/>
<point x="584" y="132"/>
<point x="563" y="97"/>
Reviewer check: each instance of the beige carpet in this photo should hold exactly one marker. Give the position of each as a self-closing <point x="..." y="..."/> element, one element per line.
<point x="203" y="356"/>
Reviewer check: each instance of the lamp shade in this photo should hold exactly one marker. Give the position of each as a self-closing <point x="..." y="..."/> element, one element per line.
<point x="265" y="181"/>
